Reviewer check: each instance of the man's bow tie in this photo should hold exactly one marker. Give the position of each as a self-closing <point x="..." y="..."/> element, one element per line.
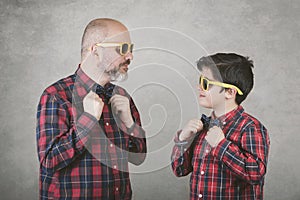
<point x="107" y="92"/>
<point x="208" y="122"/>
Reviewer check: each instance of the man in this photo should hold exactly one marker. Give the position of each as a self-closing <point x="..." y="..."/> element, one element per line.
<point x="88" y="129"/>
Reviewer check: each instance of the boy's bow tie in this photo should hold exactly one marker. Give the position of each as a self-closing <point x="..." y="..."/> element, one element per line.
<point x="208" y="122"/>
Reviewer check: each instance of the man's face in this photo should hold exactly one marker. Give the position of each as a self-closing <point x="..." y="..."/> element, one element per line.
<point x="115" y="64"/>
<point x="212" y="98"/>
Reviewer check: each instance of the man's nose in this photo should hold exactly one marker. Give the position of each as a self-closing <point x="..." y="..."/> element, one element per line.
<point x="129" y="55"/>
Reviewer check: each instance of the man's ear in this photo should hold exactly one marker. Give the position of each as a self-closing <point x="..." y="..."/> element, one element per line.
<point x="230" y="93"/>
<point x="95" y="51"/>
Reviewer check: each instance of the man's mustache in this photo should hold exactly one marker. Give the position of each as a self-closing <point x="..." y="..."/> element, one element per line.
<point x="115" y="70"/>
<point x="127" y="62"/>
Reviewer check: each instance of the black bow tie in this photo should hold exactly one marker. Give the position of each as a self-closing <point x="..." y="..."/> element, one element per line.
<point x="208" y="122"/>
<point x="107" y="91"/>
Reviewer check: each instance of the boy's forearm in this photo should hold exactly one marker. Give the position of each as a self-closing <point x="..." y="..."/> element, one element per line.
<point x="181" y="157"/>
<point x="249" y="162"/>
<point x="181" y="163"/>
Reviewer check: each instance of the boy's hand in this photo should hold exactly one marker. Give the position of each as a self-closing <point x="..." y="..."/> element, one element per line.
<point x="192" y="127"/>
<point x="214" y="136"/>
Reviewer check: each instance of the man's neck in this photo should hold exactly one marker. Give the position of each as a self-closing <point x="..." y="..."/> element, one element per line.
<point x="94" y="73"/>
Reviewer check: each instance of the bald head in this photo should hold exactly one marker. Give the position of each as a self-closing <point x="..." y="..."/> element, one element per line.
<point x="99" y="30"/>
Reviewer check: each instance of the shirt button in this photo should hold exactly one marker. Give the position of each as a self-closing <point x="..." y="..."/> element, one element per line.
<point x="132" y="134"/>
<point x="202" y="172"/>
<point x="111" y="145"/>
<point x="107" y="123"/>
<point x="207" y="151"/>
<point x="200" y="195"/>
<point x="115" y="166"/>
<point x="117" y="189"/>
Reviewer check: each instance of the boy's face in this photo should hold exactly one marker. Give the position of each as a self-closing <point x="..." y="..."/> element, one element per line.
<point x="212" y="98"/>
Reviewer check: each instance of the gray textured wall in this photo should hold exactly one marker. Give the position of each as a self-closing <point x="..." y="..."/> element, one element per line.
<point x="40" y="43"/>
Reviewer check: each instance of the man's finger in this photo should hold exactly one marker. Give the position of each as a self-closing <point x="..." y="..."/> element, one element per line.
<point x="115" y="99"/>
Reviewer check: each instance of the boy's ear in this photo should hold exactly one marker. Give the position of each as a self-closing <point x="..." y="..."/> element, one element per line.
<point x="230" y="93"/>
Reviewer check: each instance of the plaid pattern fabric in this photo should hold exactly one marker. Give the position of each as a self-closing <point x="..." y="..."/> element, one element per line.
<point x="234" y="169"/>
<point x="80" y="157"/>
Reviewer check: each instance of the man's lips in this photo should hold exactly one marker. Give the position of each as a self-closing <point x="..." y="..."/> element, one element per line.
<point x="124" y="67"/>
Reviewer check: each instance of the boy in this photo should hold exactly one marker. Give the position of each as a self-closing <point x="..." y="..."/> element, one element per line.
<point x="226" y="153"/>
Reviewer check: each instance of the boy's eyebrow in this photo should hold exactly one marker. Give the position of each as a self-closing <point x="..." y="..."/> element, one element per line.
<point x="207" y="78"/>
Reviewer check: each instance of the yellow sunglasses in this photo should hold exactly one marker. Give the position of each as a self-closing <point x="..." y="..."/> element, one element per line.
<point x="124" y="47"/>
<point x="204" y="83"/>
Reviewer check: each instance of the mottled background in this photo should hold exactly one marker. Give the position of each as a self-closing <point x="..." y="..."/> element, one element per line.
<point x="40" y="43"/>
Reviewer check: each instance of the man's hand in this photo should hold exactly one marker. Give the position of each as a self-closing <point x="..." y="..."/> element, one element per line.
<point x="192" y="127"/>
<point x="93" y="104"/>
<point x="120" y="106"/>
<point x="214" y="136"/>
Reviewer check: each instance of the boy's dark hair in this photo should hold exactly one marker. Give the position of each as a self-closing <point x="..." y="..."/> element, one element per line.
<point x="230" y="68"/>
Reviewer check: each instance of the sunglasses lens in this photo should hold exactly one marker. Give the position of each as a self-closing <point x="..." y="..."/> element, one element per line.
<point x="131" y="48"/>
<point x="124" y="49"/>
<point x="205" y="84"/>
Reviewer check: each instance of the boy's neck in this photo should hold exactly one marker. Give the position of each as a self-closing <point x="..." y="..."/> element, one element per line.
<point x="218" y="112"/>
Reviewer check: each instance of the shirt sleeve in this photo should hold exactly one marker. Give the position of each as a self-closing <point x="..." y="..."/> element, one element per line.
<point x="181" y="157"/>
<point x="248" y="160"/>
<point x="137" y="138"/>
<point x="59" y="140"/>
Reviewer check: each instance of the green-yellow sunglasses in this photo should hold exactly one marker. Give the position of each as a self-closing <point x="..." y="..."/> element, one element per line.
<point x="204" y="83"/>
<point x="124" y="47"/>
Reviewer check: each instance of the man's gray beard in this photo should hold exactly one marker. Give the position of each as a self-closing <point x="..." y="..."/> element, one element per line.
<point x="116" y="76"/>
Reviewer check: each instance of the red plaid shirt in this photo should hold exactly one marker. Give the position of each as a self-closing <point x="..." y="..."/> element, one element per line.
<point x="80" y="157"/>
<point x="234" y="169"/>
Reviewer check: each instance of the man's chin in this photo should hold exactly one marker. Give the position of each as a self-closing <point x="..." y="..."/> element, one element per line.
<point x="119" y="76"/>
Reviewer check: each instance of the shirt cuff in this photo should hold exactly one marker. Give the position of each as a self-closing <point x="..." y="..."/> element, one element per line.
<point x="136" y="131"/>
<point x="181" y="146"/>
<point x="178" y="142"/>
<point x="85" y="125"/>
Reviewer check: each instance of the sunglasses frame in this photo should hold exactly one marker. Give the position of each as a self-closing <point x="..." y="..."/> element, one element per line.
<point x="114" y="44"/>
<point x="224" y="85"/>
